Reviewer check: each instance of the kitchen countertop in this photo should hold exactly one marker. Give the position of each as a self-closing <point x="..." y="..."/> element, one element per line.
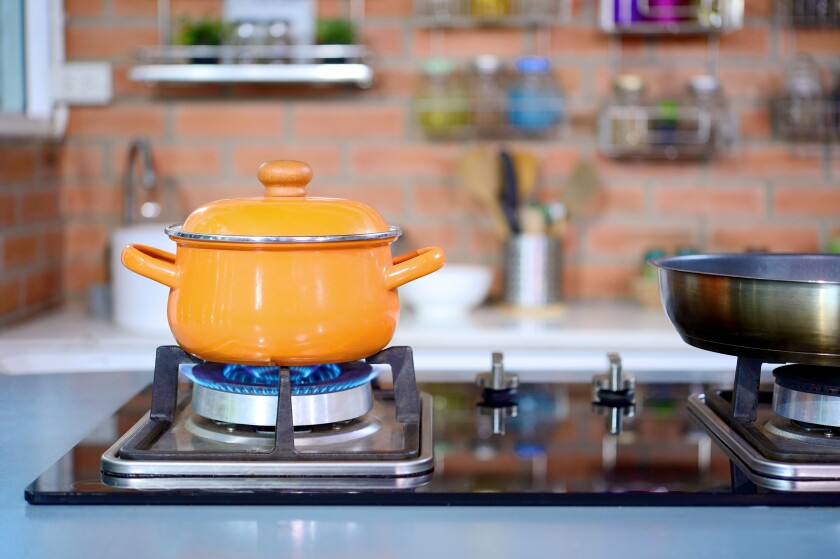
<point x="570" y="344"/>
<point x="45" y="415"/>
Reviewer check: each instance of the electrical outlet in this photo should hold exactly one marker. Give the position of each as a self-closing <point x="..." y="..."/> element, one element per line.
<point x="84" y="83"/>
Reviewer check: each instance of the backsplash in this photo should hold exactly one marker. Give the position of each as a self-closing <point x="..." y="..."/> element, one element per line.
<point x="31" y="237"/>
<point x="366" y="145"/>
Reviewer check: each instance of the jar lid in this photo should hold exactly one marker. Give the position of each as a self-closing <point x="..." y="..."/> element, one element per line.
<point x="533" y="64"/>
<point x="487" y="64"/>
<point x="285" y="214"/>
<point x="628" y="83"/>
<point x="703" y="84"/>
<point x="438" y="66"/>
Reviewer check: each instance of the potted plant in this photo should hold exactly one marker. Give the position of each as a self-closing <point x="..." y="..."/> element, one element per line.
<point x="335" y="32"/>
<point x="206" y="31"/>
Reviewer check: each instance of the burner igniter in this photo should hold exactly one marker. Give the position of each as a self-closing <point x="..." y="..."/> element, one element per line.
<point x="497" y="380"/>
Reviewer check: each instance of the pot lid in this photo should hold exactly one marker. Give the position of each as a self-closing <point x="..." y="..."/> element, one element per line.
<point x="284" y="213"/>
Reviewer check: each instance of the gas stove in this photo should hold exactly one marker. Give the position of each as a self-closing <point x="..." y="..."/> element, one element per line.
<point x="209" y="433"/>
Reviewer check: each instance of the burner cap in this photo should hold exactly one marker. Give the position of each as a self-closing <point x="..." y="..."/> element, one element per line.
<point x="248" y="395"/>
<point x="809" y="378"/>
<point x="808" y="394"/>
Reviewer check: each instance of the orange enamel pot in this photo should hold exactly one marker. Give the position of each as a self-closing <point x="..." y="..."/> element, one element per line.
<point x="283" y="279"/>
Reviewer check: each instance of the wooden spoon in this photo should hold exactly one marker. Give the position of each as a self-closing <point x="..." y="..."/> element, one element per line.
<point x="479" y="171"/>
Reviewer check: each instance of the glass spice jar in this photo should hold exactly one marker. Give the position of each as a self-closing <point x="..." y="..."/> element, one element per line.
<point x="486" y="87"/>
<point x="629" y="124"/>
<point x="805" y="91"/>
<point x="442" y="99"/>
<point x="708" y="13"/>
<point x="535" y="102"/>
<point x="705" y="94"/>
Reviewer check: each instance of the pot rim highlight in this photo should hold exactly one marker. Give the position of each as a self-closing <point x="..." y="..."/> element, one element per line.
<point x="175" y="231"/>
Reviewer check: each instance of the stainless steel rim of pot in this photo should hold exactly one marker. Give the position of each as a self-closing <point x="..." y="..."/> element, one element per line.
<point x="175" y="231"/>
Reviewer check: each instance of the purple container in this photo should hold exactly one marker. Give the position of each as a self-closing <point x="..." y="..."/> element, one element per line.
<point x="626" y="12"/>
<point x="665" y="10"/>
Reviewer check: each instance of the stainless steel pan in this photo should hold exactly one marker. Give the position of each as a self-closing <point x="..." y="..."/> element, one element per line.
<point x="775" y="307"/>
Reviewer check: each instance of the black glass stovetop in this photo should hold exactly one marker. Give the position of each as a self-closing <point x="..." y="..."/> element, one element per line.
<point x="556" y="451"/>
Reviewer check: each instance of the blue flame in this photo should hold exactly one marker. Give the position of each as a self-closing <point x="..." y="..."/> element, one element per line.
<point x="269" y="376"/>
<point x="263" y="380"/>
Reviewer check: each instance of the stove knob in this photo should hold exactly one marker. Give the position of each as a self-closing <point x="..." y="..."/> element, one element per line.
<point x="498" y="394"/>
<point x="613" y="388"/>
<point x="497" y="380"/>
<point x="613" y="395"/>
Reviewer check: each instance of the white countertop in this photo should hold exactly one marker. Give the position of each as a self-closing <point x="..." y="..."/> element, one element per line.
<point x="570" y="344"/>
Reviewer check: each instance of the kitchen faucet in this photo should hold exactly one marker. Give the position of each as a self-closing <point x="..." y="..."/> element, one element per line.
<point x="141" y="148"/>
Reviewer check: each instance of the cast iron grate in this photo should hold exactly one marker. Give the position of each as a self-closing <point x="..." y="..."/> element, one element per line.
<point x="165" y="406"/>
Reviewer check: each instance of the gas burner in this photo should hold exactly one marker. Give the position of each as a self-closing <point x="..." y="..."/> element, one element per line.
<point x="808" y="394"/>
<point x="788" y="440"/>
<point x="331" y="428"/>
<point x="321" y="394"/>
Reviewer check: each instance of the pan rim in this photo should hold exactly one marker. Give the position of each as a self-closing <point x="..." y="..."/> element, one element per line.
<point x="669" y="263"/>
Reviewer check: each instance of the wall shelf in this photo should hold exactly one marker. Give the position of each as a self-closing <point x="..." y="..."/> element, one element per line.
<point x="296" y="64"/>
<point x="680" y="17"/>
<point x="313" y="65"/>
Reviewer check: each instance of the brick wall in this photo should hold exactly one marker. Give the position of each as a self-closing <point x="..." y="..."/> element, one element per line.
<point x="365" y="145"/>
<point x="30" y="230"/>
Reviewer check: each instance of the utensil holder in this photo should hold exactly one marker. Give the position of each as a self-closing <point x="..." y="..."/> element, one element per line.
<point x="532" y="270"/>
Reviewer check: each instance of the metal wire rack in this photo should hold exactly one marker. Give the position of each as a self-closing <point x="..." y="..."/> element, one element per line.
<point x="808" y="13"/>
<point x="651" y="132"/>
<point x="807" y="120"/>
<point x="510" y="13"/>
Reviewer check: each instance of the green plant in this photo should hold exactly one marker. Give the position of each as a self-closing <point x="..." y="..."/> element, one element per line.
<point x="203" y="31"/>
<point x="335" y="32"/>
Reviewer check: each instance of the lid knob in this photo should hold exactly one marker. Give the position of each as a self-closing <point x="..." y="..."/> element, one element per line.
<point x="285" y="178"/>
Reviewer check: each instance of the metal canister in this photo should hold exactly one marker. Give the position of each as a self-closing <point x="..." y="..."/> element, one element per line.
<point x="532" y="270"/>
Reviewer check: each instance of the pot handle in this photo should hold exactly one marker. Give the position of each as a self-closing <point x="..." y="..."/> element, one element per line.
<point x="412" y="265"/>
<point x="152" y="263"/>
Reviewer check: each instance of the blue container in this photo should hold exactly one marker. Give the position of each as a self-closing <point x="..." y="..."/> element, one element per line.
<point x="534" y="100"/>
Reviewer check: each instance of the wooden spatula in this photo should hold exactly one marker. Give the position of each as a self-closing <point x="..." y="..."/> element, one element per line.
<point x="583" y="186"/>
<point x="479" y="171"/>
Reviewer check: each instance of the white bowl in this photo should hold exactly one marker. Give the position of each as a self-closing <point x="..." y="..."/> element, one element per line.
<point x="452" y="291"/>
